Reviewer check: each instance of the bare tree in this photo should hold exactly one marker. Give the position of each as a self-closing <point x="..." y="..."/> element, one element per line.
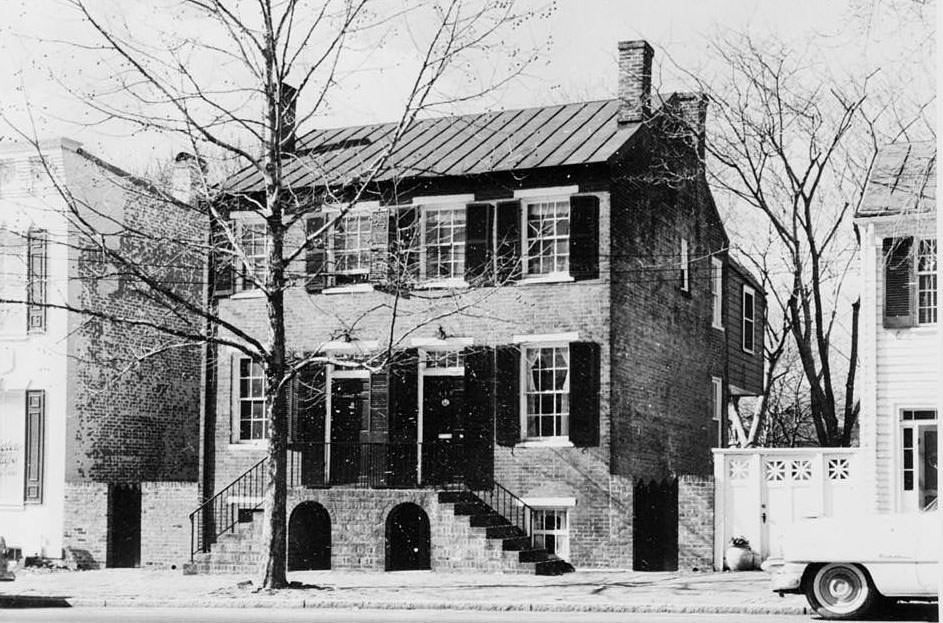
<point x="794" y="147"/>
<point x="224" y="91"/>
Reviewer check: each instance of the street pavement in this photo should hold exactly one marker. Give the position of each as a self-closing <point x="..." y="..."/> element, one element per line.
<point x="504" y="597"/>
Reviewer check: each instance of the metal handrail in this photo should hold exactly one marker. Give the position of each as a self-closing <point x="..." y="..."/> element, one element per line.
<point x="509" y="506"/>
<point x="220" y="510"/>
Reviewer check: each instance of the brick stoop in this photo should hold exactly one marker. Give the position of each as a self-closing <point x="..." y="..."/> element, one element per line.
<point x="467" y="536"/>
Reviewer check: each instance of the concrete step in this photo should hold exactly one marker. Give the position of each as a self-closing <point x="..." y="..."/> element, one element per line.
<point x="553" y="566"/>
<point x="535" y="554"/>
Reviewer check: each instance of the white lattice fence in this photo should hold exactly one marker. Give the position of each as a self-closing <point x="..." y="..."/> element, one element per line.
<point x="760" y="491"/>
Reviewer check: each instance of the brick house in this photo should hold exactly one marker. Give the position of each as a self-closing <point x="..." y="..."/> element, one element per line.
<point x="900" y="329"/>
<point x="91" y="459"/>
<point x="574" y="378"/>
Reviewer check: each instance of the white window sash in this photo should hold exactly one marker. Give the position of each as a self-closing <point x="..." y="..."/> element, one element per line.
<point x="525" y="238"/>
<point x="717" y="281"/>
<point x="525" y="372"/>
<point x="744" y="321"/>
<point x="456" y="280"/>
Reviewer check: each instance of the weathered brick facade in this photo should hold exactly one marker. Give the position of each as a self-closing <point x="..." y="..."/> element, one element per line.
<point x="695" y="523"/>
<point x="651" y="326"/>
<point x="165" y="528"/>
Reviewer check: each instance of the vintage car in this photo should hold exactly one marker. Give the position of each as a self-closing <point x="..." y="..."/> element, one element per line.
<point x="844" y="566"/>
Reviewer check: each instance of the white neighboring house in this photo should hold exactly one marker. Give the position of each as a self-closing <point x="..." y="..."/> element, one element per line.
<point x="87" y="452"/>
<point x="900" y="327"/>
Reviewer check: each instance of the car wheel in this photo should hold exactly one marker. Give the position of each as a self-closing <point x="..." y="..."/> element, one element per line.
<point x="840" y="591"/>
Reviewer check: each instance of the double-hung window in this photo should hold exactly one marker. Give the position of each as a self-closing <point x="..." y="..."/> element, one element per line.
<point x="926" y="281"/>
<point x="443" y="243"/>
<point x="253" y="424"/>
<point x="546" y="237"/>
<point x="717" y="293"/>
<point x="546" y="395"/>
<point x="349" y="251"/>
<point x="253" y="237"/>
<point x="551" y="531"/>
<point x="685" y="261"/>
<point x="748" y="319"/>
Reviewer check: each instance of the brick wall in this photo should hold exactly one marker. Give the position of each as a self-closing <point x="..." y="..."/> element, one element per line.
<point x="695" y="523"/>
<point x="165" y="529"/>
<point x="133" y="390"/>
<point x="85" y="528"/>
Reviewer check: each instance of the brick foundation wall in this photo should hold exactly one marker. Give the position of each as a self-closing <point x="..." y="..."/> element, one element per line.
<point x="85" y="529"/>
<point x="695" y="523"/>
<point x="165" y="529"/>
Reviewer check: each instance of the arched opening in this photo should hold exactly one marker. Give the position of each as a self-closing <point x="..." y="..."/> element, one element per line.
<point x="309" y="538"/>
<point x="407" y="538"/>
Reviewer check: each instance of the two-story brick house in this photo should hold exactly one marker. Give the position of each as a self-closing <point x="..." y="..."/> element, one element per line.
<point x="900" y="329"/>
<point x="575" y="270"/>
<point x="96" y="454"/>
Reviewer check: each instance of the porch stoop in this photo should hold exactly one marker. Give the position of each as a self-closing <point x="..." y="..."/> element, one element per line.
<point x="467" y="535"/>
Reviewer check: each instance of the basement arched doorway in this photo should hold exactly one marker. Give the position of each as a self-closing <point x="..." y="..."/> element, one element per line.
<point x="407" y="538"/>
<point x="309" y="538"/>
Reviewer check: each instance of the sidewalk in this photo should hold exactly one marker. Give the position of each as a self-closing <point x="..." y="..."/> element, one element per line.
<point x="603" y="591"/>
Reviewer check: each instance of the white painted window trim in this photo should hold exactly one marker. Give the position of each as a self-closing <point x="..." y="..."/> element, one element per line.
<point x="434" y="343"/>
<point x="440" y="206"/>
<point x="450" y="371"/>
<point x="550" y="191"/>
<point x="235" y="437"/>
<point x="443" y="200"/>
<point x="543" y="442"/>
<point x="717" y="293"/>
<point x="353" y="347"/>
<point x="685" y="262"/>
<point x="563" y="552"/>
<point x="330" y="213"/>
<point x="917" y="273"/>
<point x="549" y="502"/>
<point x="552" y="277"/>
<point x="747" y="289"/>
<point x="552" y="339"/>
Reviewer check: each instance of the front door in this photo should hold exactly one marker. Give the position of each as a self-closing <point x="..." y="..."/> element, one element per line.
<point x="348" y="402"/>
<point x="918" y="461"/>
<point x="442" y="405"/>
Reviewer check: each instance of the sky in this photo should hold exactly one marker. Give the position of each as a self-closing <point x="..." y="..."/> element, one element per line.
<point x="574" y="42"/>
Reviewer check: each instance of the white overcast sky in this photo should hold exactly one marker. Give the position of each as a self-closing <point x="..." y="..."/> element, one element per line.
<point x="577" y="62"/>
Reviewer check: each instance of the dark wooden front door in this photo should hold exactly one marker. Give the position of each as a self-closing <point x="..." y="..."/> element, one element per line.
<point x="348" y="401"/>
<point x="442" y="408"/>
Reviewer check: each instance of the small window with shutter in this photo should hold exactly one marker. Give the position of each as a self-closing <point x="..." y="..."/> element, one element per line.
<point x="926" y="273"/>
<point x="748" y="319"/>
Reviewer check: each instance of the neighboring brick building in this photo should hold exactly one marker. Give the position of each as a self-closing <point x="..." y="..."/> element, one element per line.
<point x="97" y="418"/>
<point x="576" y="270"/>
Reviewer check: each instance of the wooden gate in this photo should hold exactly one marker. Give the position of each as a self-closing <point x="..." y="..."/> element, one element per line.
<point x="758" y="492"/>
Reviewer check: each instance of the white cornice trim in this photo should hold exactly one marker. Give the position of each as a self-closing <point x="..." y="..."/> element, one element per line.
<point x="569" y="336"/>
<point x="443" y="199"/>
<point x="552" y="191"/>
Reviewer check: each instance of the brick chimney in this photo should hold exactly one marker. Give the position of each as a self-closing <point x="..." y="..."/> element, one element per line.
<point x="187" y="179"/>
<point x="635" y="81"/>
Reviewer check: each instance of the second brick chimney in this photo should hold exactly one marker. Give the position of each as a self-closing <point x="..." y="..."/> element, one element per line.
<point x="635" y="81"/>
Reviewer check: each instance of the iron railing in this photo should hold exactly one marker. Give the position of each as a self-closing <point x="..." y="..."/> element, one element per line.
<point x="222" y="512"/>
<point x="440" y="463"/>
<point x="509" y="506"/>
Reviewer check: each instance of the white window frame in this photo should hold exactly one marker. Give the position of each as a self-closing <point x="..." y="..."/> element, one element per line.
<point x="564" y="433"/>
<point x="358" y="211"/>
<point x="717" y="417"/>
<point x="685" y="261"/>
<point x="245" y="284"/>
<point x="717" y="293"/>
<point x="526" y="202"/>
<point x="748" y="290"/>
<point x="909" y="496"/>
<point x="931" y="276"/>
<point x="240" y="400"/>
<point x="455" y="280"/>
<point x="561" y="535"/>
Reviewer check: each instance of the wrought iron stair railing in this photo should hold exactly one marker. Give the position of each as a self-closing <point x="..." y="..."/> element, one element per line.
<point x="220" y="513"/>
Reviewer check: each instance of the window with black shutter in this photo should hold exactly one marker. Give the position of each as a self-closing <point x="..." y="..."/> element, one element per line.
<point x="306" y="428"/>
<point x="584" y="237"/>
<point x="507" y="395"/>
<point x="223" y="269"/>
<point x="35" y="446"/>
<point x="584" y="393"/>
<point x="478" y="419"/>
<point x="315" y="255"/>
<point x="36" y="281"/>
<point x="898" y="271"/>
<point x="479" y="243"/>
<point x="404" y="245"/>
<point x="508" y="240"/>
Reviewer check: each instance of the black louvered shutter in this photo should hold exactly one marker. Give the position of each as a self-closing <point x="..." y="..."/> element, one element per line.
<point x="379" y="245"/>
<point x="479" y="243"/>
<point x="403" y="419"/>
<point x="584" y="393"/>
<point x="35" y="446"/>
<point x="308" y="421"/>
<point x="315" y="256"/>
<point x="478" y="425"/>
<point x="404" y="241"/>
<point x="584" y="237"/>
<point x="507" y="395"/>
<point x="898" y="274"/>
<point x="224" y="272"/>
<point x="508" y="241"/>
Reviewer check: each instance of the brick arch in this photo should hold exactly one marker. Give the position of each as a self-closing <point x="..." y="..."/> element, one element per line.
<point x="408" y="537"/>
<point x="309" y="537"/>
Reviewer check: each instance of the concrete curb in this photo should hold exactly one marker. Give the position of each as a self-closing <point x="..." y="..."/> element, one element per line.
<point x="369" y="604"/>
